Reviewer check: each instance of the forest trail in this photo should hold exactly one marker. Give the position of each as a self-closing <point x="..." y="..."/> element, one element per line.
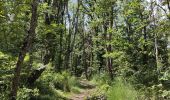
<point x="88" y="89"/>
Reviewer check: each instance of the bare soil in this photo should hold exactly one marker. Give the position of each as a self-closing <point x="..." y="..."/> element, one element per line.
<point x="88" y="89"/>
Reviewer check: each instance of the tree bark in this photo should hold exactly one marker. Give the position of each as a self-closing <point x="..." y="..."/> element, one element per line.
<point x="67" y="57"/>
<point x="109" y="48"/>
<point x="25" y="48"/>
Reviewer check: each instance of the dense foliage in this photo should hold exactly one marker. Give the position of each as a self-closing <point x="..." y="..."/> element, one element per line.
<point x="48" y="46"/>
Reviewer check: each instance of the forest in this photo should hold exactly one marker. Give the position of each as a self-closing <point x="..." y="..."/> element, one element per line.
<point x="84" y="49"/>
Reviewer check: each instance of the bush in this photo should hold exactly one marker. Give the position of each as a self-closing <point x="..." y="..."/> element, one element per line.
<point x="7" y="63"/>
<point x="155" y="92"/>
<point x="51" y="83"/>
<point x="26" y="94"/>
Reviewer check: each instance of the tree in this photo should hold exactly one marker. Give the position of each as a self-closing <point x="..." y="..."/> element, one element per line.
<point x="24" y="49"/>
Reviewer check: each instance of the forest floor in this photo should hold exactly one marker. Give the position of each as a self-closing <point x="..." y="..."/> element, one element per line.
<point x="87" y="89"/>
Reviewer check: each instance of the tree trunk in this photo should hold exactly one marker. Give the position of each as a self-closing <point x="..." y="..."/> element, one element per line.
<point x="60" y="20"/>
<point x="155" y="36"/>
<point x="25" y="48"/>
<point x="109" y="48"/>
<point x="67" y="57"/>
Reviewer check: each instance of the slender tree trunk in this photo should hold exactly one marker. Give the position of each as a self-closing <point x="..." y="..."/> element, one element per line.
<point x="75" y="26"/>
<point x="155" y="36"/>
<point x="60" y="20"/>
<point x="68" y="52"/>
<point x="25" y="48"/>
<point x="109" y="48"/>
<point x="84" y="59"/>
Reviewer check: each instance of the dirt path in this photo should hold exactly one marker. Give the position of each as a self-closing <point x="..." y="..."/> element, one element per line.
<point x="83" y="95"/>
<point x="88" y="89"/>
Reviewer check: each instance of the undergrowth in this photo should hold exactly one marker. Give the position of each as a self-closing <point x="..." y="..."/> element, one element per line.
<point x="122" y="90"/>
<point x="56" y="85"/>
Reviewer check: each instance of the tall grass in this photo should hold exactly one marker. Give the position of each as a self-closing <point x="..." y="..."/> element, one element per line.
<point x="122" y="90"/>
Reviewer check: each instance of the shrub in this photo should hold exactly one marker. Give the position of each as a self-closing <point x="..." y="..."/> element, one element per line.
<point x="55" y="85"/>
<point x="26" y="94"/>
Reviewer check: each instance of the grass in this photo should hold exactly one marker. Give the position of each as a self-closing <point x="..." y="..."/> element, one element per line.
<point x="76" y="89"/>
<point x="122" y="90"/>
